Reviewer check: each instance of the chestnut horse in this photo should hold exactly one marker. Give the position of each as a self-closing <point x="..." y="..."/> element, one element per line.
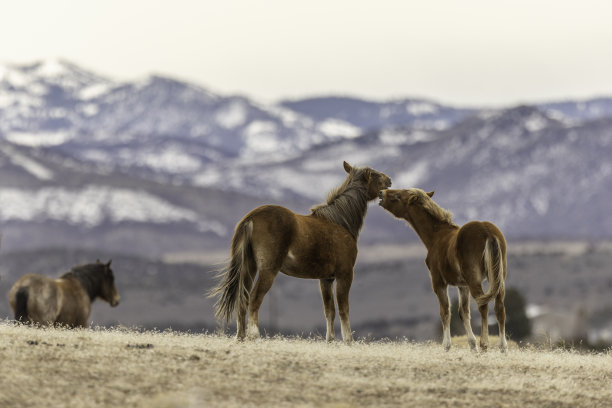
<point x="66" y="300"/>
<point x="462" y="257"/>
<point x="321" y="245"/>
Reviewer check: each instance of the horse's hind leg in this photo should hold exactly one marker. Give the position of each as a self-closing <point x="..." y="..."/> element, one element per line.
<point x="343" y="286"/>
<point x="476" y="291"/>
<point x="500" y="313"/>
<point x="464" y="314"/>
<point x="328" y="307"/>
<point x="442" y="294"/>
<point x="262" y="286"/>
<point x="242" y="309"/>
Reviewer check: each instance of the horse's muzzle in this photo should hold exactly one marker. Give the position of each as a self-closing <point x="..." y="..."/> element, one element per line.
<point x="115" y="301"/>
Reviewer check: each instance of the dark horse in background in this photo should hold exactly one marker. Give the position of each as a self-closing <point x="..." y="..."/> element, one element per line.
<point x="65" y="300"/>
<point x="459" y="256"/>
<point x="321" y="245"/>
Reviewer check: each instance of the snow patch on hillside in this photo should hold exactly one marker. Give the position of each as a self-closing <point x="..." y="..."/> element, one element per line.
<point x="38" y="139"/>
<point x="339" y="128"/>
<point x="232" y="115"/>
<point x="95" y="205"/>
<point x="31" y="166"/>
<point x="421" y="108"/>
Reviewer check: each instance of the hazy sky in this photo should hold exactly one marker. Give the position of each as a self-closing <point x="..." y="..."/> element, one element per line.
<point x="462" y="52"/>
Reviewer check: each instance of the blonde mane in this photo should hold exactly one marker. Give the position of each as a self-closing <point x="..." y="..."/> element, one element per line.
<point x="431" y="206"/>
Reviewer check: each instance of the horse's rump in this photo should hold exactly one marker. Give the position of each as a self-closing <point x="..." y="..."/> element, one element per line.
<point x="493" y="259"/>
<point x="231" y="288"/>
<point x="21" y="305"/>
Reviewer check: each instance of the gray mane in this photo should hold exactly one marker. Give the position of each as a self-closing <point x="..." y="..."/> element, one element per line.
<point x="347" y="204"/>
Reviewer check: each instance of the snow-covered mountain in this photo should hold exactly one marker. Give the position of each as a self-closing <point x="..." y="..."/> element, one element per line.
<point x="157" y="124"/>
<point x="160" y="165"/>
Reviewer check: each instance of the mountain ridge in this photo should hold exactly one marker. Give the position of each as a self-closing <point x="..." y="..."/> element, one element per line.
<point x="161" y="146"/>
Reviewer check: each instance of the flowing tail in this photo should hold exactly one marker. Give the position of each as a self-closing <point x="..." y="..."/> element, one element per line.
<point x="494" y="266"/>
<point x="232" y="287"/>
<point x="21" y="305"/>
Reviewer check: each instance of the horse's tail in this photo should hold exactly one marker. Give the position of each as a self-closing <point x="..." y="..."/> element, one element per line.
<point x="494" y="265"/>
<point x="232" y="288"/>
<point x="21" y="305"/>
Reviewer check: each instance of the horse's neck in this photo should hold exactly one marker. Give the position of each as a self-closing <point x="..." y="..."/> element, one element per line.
<point x="86" y="281"/>
<point x="428" y="229"/>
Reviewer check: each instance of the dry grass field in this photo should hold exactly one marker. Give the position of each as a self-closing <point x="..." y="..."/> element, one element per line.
<point x="121" y="368"/>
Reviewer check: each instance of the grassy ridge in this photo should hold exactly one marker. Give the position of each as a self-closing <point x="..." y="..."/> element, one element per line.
<point x="95" y="368"/>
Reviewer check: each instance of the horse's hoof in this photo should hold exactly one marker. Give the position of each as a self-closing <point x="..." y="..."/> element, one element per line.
<point x="253" y="335"/>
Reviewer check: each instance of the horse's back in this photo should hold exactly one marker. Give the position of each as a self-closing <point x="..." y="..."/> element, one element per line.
<point x="271" y="218"/>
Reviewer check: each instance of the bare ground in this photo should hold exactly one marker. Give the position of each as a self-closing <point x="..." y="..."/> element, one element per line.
<point x="98" y="368"/>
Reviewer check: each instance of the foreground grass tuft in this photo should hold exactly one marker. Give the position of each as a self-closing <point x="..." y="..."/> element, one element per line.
<point x="43" y="367"/>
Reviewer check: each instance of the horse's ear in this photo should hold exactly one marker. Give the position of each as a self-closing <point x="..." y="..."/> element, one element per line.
<point x="347" y="167"/>
<point x="108" y="263"/>
<point x="430" y="194"/>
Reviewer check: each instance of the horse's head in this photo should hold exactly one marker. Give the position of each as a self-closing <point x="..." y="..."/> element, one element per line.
<point x="399" y="202"/>
<point x="109" y="291"/>
<point x="375" y="180"/>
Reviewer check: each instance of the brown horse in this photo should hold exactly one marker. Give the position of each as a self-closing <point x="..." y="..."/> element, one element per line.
<point x="321" y="245"/>
<point x="66" y="300"/>
<point x="462" y="257"/>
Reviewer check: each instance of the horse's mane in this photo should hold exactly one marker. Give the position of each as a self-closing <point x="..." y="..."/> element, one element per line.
<point x="90" y="276"/>
<point x="431" y="206"/>
<point x="347" y="204"/>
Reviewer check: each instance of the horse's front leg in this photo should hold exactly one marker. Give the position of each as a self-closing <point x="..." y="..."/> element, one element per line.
<point x="343" y="286"/>
<point x="441" y="291"/>
<point x="328" y="307"/>
<point x="262" y="286"/>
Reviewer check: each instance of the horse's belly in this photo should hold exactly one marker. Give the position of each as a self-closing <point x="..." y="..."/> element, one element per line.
<point x="305" y="269"/>
<point x="306" y="273"/>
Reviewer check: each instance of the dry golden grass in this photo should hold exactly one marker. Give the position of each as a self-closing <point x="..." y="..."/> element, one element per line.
<point x="120" y="368"/>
